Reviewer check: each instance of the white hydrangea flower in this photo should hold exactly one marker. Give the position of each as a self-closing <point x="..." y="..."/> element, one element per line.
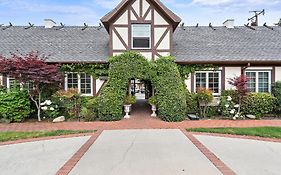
<point x="236" y="106"/>
<point x="52" y="109"/>
<point x="226" y="105"/>
<point x="44" y="108"/>
<point x="234" y="118"/>
<point x="42" y="104"/>
<point x="229" y="98"/>
<point x="48" y="102"/>
<point x="232" y="111"/>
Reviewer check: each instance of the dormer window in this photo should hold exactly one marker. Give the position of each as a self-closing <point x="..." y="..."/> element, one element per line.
<point x="141" y="36"/>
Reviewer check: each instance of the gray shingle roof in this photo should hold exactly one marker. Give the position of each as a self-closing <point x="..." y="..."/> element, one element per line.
<point x="203" y="44"/>
<point x="192" y="45"/>
<point x="69" y="44"/>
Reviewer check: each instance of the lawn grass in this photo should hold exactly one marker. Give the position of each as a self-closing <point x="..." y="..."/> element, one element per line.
<point x="269" y="132"/>
<point x="11" y="135"/>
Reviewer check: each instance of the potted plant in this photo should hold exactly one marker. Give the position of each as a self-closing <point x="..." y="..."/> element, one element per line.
<point x="128" y="101"/>
<point x="153" y="102"/>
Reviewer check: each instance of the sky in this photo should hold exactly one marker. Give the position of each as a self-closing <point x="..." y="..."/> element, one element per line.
<point x="76" y="12"/>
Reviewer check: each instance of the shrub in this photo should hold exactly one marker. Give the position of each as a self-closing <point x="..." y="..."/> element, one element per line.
<point x="191" y="103"/>
<point x="170" y="90"/>
<point x="228" y="107"/>
<point x="14" y="105"/>
<point x="70" y="100"/>
<point x="152" y="100"/>
<point x="204" y="97"/>
<point x="89" y="110"/>
<point x="50" y="109"/>
<point x="258" y="104"/>
<point x="129" y="99"/>
<point x="276" y="90"/>
<point x="232" y="93"/>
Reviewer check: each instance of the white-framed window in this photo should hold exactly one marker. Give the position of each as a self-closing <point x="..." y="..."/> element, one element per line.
<point x="259" y="81"/>
<point x="81" y="81"/>
<point x="141" y="36"/>
<point x="12" y="83"/>
<point x="209" y="80"/>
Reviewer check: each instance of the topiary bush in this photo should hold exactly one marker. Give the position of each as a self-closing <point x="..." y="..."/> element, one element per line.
<point x="170" y="90"/>
<point x="276" y="91"/>
<point x="258" y="104"/>
<point x="14" y="105"/>
<point x="165" y="78"/>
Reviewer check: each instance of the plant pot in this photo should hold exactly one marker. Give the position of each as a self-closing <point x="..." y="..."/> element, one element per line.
<point x="153" y="108"/>
<point x="127" y="109"/>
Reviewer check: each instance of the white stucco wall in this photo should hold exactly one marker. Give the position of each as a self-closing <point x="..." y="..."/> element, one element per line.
<point x="123" y="32"/>
<point x="165" y="44"/>
<point x="158" y="19"/>
<point x="231" y="72"/>
<point x="147" y="55"/>
<point x="123" y="19"/>
<point x="116" y="43"/>
<point x="188" y="83"/>
<point x="277" y="73"/>
<point x="99" y="84"/>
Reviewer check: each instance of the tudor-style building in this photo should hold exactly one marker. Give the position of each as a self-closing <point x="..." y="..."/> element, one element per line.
<point x="149" y="27"/>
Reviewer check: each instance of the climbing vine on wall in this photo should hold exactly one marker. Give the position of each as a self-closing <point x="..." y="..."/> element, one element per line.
<point x="96" y="70"/>
<point x="185" y="70"/>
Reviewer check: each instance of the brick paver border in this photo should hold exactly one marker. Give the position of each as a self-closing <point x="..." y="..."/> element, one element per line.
<point x="238" y="136"/>
<point x="69" y="165"/>
<point x="43" y="138"/>
<point x="220" y="165"/>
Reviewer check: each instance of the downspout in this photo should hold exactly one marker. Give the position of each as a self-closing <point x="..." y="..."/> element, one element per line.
<point x="244" y="68"/>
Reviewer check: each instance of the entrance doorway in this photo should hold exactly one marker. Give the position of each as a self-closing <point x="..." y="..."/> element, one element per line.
<point x="142" y="89"/>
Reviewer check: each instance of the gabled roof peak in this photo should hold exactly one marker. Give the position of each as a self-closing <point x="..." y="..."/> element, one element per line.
<point x="124" y="3"/>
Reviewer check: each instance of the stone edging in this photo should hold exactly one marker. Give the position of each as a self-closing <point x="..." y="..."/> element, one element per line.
<point x="220" y="165"/>
<point x="43" y="138"/>
<point x="238" y="136"/>
<point x="70" y="164"/>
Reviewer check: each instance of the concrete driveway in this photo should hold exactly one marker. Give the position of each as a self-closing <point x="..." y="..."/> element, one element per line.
<point x="143" y="152"/>
<point x="38" y="158"/>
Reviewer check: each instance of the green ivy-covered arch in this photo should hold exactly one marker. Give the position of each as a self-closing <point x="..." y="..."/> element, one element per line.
<point x="164" y="75"/>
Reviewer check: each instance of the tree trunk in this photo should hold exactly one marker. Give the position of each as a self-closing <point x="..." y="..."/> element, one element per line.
<point x="39" y="107"/>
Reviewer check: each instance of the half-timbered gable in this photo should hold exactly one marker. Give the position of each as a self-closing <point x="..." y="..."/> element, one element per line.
<point x="146" y="26"/>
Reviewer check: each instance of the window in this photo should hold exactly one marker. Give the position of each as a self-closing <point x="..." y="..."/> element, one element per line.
<point x="141" y="36"/>
<point x="259" y="81"/>
<point x="209" y="80"/>
<point x="12" y="83"/>
<point x="80" y="81"/>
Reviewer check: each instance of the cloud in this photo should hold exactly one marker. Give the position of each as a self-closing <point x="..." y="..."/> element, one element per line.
<point x="107" y="4"/>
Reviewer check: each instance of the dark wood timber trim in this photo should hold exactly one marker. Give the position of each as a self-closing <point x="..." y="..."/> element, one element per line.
<point x="121" y="25"/>
<point x="135" y="13"/>
<point x="120" y="38"/>
<point x="94" y="84"/>
<point x="233" y="63"/>
<point x="103" y="85"/>
<point x="161" y="26"/>
<point x="146" y="13"/>
<point x="5" y="81"/>
<point x="110" y="41"/>
<point x="141" y="8"/>
<point x="273" y="74"/>
<point x="223" y="79"/>
<point x="192" y="82"/>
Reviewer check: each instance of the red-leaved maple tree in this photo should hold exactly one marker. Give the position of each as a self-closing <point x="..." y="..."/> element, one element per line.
<point x="240" y="83"/>
<point x="31" y="68"/>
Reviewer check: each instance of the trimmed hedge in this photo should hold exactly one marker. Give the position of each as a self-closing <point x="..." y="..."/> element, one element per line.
<point x="276" y="90"/>
<point x="164" y="75"/>
<point x="170" y="90"/>
<point x="258" y="104"/>
<point x="14" y="105"/>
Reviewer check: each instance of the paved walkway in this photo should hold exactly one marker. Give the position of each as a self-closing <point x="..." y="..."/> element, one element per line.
<point x="140" y="119"/>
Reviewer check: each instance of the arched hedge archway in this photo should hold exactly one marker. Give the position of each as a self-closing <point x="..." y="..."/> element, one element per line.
<point x="164" y="75"/>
